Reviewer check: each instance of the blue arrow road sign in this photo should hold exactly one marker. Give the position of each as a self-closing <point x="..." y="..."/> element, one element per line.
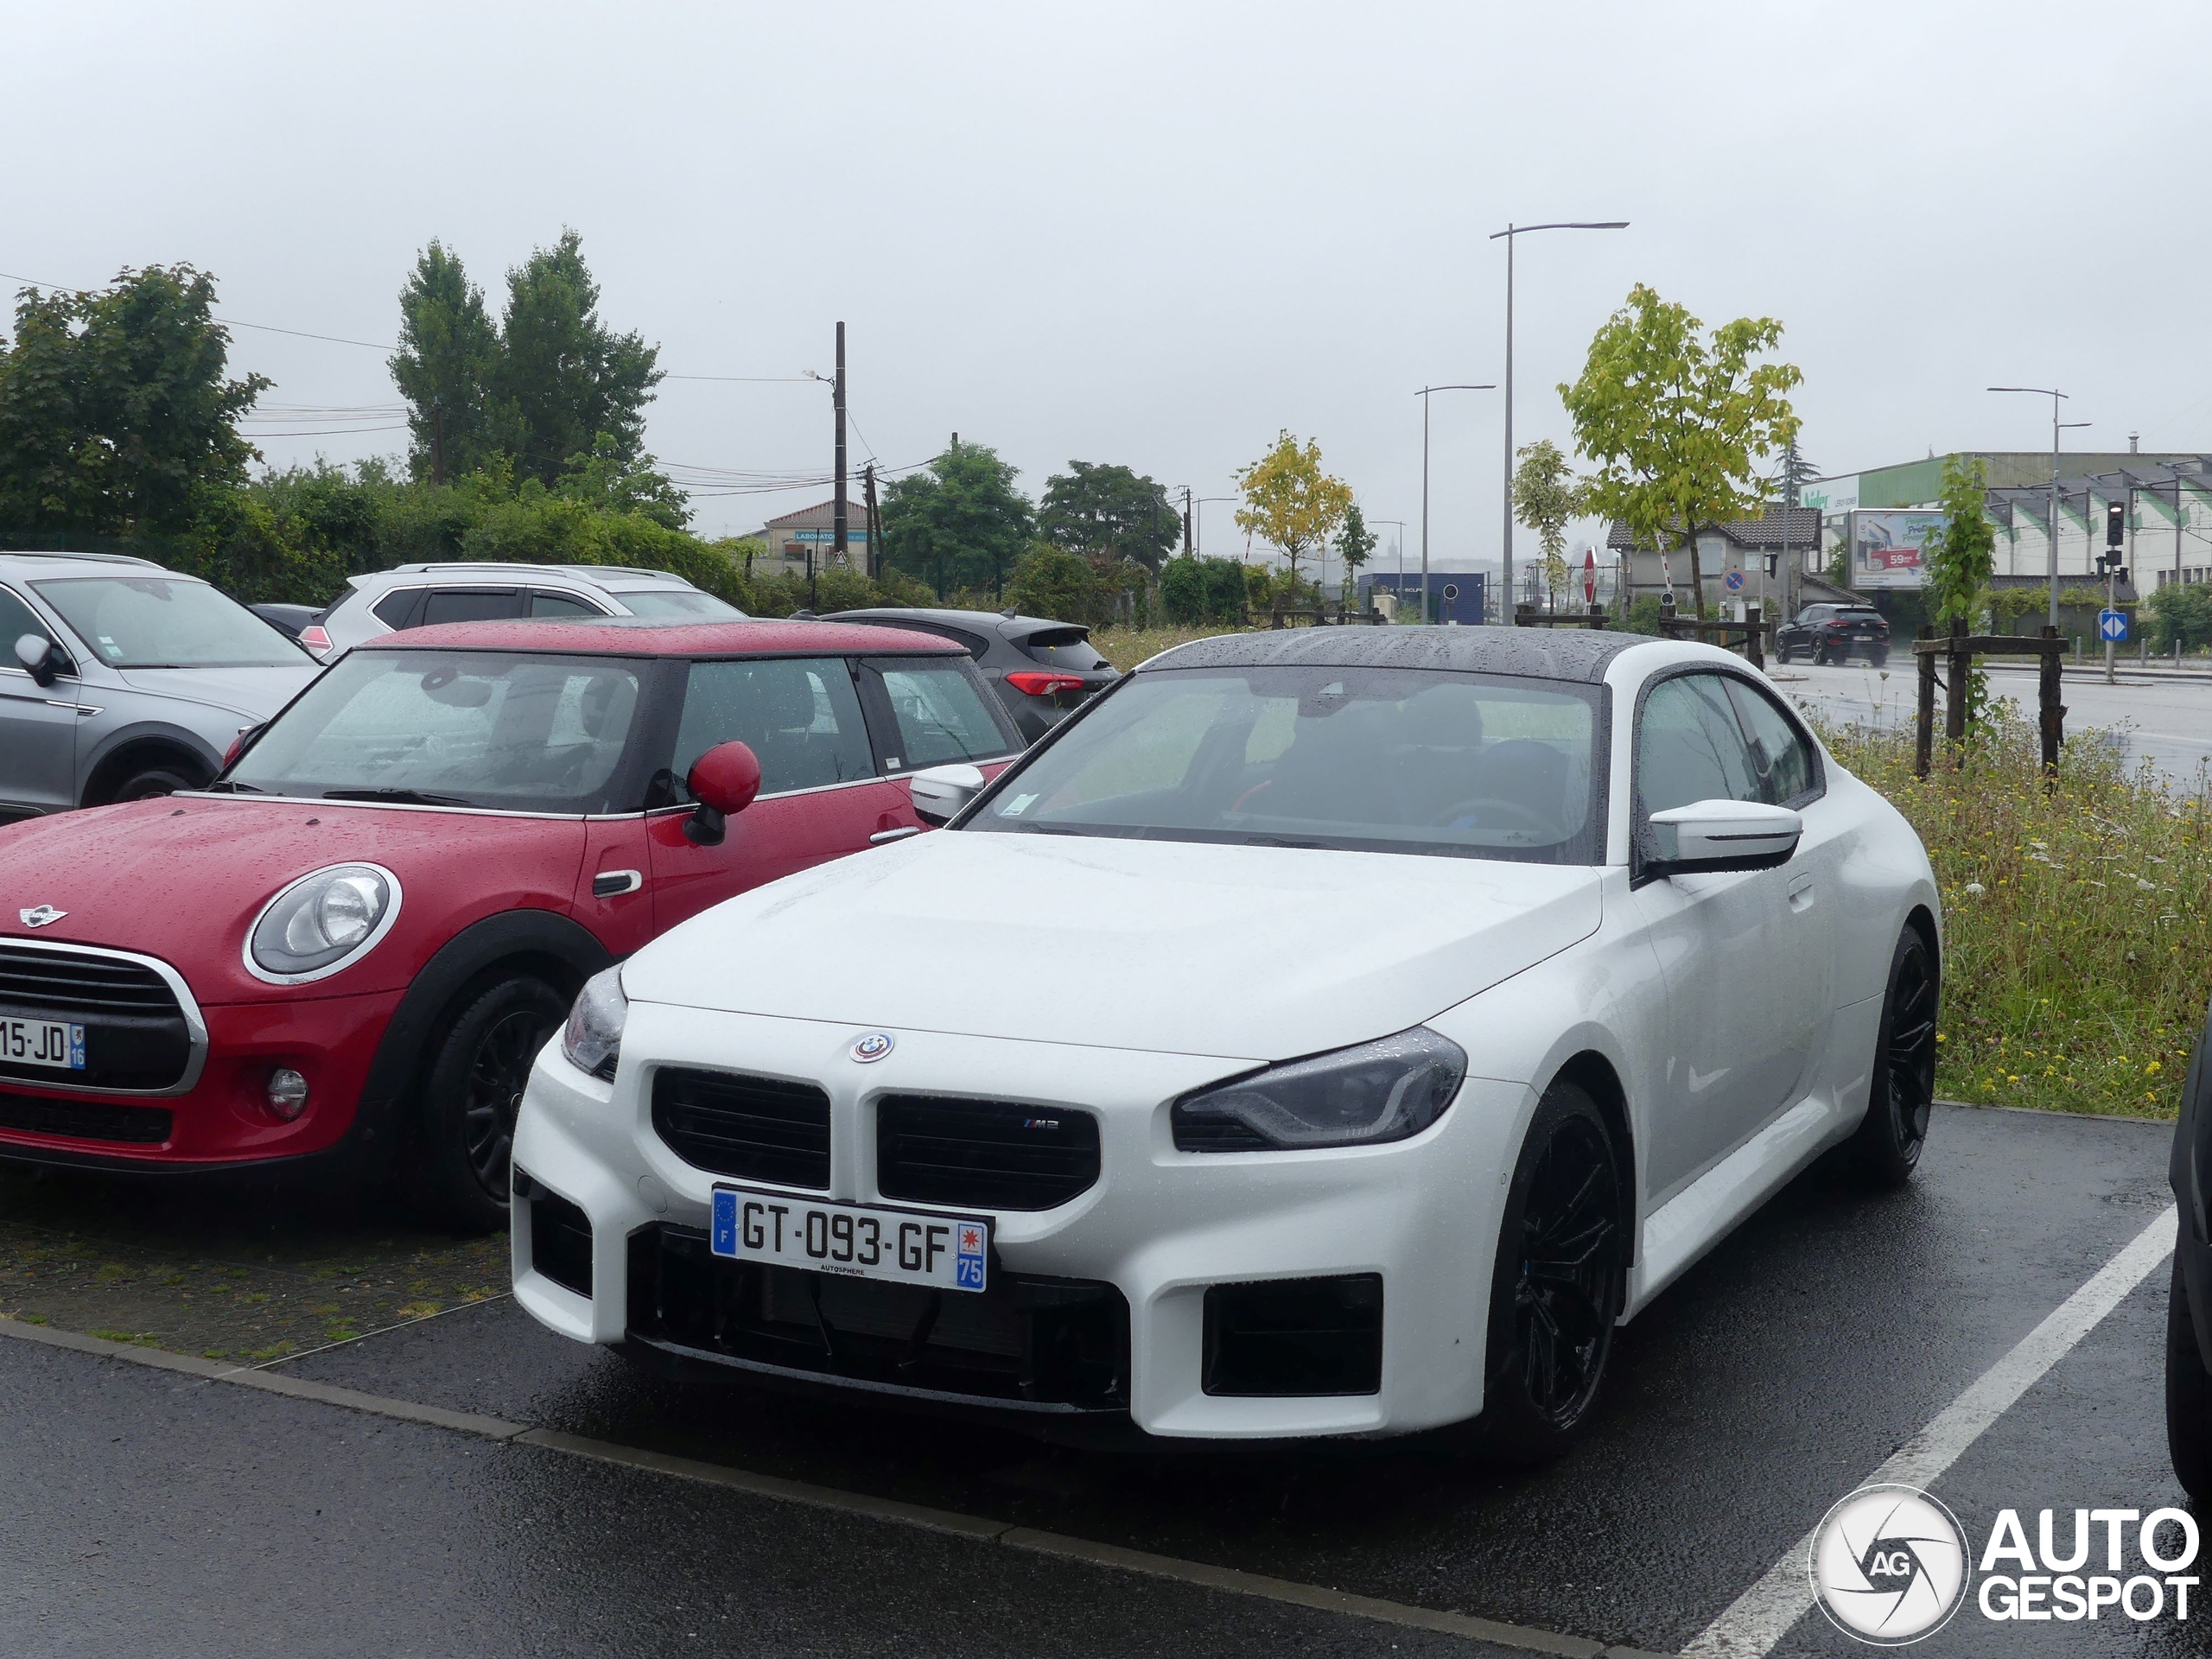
<point x="2113" y="626"/>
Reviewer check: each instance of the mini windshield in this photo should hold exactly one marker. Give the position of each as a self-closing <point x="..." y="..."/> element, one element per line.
<point x="538" y="733"/>
<point x="1400" y="760"/>
<point x="167" y="622"/>
<point x="677" y="601"/>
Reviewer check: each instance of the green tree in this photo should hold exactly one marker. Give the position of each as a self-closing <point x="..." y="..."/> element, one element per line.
<point x="1960" y="559"/>
<point x="1355" y="546"/>
<point x="2183" y="612"/>
<point x="117" y="417"/>
<point x="448" y="354"/>
<point x="1053" y="581"/>
<point x="1290" y="503"/>
<point x="605" y="479"/>
<point x="1676" y="420"/>
<point x="961" y="523"/>
<point x="550" y="383"/>
<point x="1108" y="514"/>
<point x="1197" y="591"/>
<point x="1547" y="498"/>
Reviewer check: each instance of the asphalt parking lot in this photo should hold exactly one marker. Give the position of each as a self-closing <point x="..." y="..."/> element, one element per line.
<point x="1779" y="1375"/>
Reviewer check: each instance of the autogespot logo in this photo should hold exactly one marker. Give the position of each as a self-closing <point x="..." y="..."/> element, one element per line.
<point x="1889" y="1565"/>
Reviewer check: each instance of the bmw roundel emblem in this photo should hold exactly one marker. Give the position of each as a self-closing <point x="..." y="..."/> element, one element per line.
<point x="871" y="1045"/>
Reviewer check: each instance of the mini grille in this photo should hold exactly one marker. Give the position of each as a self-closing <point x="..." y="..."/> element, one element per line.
<point x="752" y="1128"/>
<point x="80" y="1120"/>
<point x="988" y="1154"/>
<point x="64" y="982"/>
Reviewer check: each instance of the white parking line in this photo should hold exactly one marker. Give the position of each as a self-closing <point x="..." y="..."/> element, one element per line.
<point x="1764" y="1613"/>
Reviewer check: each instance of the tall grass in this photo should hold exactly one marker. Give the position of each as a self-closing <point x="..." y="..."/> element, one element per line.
<point x="1126" y="647"/>
<point x="2077" y="917"/>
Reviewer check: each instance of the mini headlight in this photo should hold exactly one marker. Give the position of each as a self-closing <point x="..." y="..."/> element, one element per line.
<point x="1378" y="1091"/>
<point x="321" y="922"/>
<point x="593" y="1039"/>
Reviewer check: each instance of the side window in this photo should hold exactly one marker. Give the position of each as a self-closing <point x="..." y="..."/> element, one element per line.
<point x="801" y="717"/>
<point x="1781" y="757"/>
<point x="941" y="713"/>
<point x="1688" y="746"/>
<point x="16" y="619"/>
<point x="543" y="604"/>
<point x="471" y="605"/>
<point x="396" y="609"/>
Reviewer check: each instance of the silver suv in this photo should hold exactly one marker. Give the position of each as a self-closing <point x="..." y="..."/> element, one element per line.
<point x="119" y="679"/>
<point x="420" y="595"/>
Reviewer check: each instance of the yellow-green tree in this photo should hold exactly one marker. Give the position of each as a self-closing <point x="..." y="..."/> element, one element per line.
<point x="1547" y="498"/>
<point x="1290" y="503"/>
<point x="1677" y="420"/>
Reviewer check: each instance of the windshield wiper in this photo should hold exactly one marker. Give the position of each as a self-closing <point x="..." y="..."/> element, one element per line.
<point x="398" y="797"/>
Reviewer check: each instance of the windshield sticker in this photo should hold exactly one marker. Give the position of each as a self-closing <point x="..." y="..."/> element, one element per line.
<point x="1014" y="808"/>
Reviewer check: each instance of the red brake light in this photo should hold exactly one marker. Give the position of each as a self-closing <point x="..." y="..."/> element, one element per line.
<point x="236" y="743"/>
<point x="314" y="637"/>
<point x="1038" y="684"/>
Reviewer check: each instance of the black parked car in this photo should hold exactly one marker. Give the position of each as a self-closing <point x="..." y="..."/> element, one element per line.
<point x="2188" y="1311"/>
<point x="1834" y="634"/>
<point x="1040" y="669"/>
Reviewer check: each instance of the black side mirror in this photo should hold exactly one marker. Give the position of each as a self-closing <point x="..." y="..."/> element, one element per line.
<point x="35" y="652"/>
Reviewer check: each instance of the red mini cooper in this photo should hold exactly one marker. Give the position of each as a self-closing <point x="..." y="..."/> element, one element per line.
<point x="352" y="944"/>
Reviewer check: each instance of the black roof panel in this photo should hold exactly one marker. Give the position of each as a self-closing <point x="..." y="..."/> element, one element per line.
<point x="1542" y="653"/>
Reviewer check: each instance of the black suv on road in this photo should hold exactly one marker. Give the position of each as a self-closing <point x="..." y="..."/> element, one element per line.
<point x="1833" y="633"/>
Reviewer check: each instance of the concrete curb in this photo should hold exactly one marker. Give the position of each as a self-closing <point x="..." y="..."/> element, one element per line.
<point x="980" y="1529"/>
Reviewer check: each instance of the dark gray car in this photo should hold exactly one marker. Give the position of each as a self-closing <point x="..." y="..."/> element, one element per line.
<point x="1040" y="669"/>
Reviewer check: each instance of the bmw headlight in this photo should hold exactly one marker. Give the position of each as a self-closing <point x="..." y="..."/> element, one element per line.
<point x="321" y="922"/>
<point x="1378" y="1091"/>
<point x="592" y="1041"/>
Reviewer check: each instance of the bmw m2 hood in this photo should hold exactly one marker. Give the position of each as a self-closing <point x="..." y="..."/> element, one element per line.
<point x="1254" y="952"/>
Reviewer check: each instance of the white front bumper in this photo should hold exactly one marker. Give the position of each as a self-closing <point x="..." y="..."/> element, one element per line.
<point x="1160" y="1224"/>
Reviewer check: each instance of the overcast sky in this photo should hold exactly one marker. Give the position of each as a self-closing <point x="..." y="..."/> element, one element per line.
<point x="1154" y="234"/>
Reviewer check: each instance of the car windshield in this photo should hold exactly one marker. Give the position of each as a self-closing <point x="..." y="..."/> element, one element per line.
<point x="532" y="734"/>
<point x="677" y="601"/>
<point x="1400" y="760"/>
<point x="167" y="622"/>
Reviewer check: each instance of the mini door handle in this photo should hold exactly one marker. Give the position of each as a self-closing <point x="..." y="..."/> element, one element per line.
<point x="883" y="835"/>
<point x="612" y="884"/>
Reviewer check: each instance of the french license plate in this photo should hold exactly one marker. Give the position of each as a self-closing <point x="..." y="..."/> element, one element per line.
<point x="908" y="1247"/>
<point x="41" y="1042"/>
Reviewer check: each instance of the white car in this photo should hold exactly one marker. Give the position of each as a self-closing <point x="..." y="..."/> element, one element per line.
<point x="1326" y="1032"/>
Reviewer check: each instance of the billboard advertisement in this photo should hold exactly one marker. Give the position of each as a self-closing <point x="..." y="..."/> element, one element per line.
<point x="1886" y="545"/>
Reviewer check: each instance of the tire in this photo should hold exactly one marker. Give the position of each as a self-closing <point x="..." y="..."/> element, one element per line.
<point x="1821" y="657"/>
<point x="2188" y="1397"/>
<point x="148" y="782"/>
<point x="470" y="1095"/>
<point x="1879" y="656"/>
<point x="1886" y="1146"/>
<point x="1557" y="1288"/>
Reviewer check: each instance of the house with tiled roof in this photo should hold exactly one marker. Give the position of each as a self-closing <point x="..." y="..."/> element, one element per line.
<point x="1768" y="557"/>
<point x="812" y="530"/>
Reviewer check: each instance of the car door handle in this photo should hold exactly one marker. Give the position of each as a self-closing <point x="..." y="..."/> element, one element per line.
<point x="881" y="836"/>
<point x="1801" y="893"/>
<point x="612" y="884"/>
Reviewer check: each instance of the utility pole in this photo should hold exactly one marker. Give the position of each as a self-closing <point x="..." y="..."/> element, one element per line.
<point x="437" y="439"/>
<point x="2055" y="398"/>
<point x="875" y="523"/>
<point x="837" y="506"/>
<point x="1187" y="521"/>
<point x="1788" y="524"/>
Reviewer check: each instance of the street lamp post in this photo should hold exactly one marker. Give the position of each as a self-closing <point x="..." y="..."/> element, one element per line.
<point x="1423" y="395"/>
<point x="1509" y="233"/>
<point x="2056" y="427"/>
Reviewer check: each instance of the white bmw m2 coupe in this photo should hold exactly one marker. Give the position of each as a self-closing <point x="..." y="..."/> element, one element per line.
<point x="1327" y="1032"/>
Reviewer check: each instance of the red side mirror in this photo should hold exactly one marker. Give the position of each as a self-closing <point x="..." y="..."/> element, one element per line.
<point x="723" y="780"/>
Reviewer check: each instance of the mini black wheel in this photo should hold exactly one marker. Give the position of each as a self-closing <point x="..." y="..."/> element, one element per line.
<point x="1887" y="1144"/>
<point x="471" y="1094"/>
<point x="2188" y="1398"/>
<point x="1558" y="1286"/>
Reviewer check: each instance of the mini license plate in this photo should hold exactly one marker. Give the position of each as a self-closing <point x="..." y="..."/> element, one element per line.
<point x="41" y="1042"/>
<point x="908" y="1247"/>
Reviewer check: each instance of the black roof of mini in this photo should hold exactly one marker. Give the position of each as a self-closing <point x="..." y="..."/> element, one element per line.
<point x="1542" y="653"/>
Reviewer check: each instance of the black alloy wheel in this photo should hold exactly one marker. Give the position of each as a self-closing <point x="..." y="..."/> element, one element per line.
<point x="1559" y="1282"/>
<point x="2188" y="1397"/>
<point x="151" y="782"/>
<point x="473" y="1093"/>
<point x="1888" y="1143"/>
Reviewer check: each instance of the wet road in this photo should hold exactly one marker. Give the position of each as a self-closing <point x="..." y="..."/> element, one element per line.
<point x="1769" y="1383"/>
<point x="2164" y="719"/>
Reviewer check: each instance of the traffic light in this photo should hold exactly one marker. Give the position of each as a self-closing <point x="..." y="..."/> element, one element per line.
<point x="2115" y="523"/>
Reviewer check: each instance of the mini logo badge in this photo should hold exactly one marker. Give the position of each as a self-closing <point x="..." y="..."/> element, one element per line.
<point x="1890" y="1565"/>
<point x="41" y="916"/>
<point x="871" y="1045"/>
